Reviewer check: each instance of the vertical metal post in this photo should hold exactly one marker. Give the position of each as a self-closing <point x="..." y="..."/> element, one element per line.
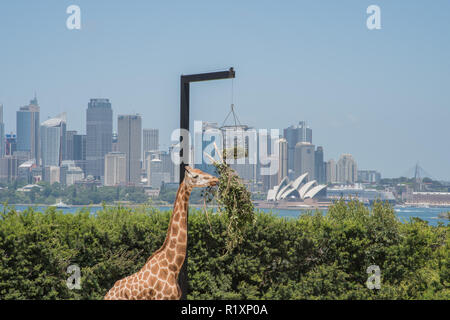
<point x="185" y="147"/>
<point x="184" y="156"/>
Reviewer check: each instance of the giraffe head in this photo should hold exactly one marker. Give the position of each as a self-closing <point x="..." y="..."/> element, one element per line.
<point x="197" y="179"/>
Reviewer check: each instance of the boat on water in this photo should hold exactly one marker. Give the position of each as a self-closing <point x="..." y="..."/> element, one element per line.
<point x="60" y="205"/>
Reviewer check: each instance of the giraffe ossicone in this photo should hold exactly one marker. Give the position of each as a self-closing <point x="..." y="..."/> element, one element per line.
<point x="158" y="278"/>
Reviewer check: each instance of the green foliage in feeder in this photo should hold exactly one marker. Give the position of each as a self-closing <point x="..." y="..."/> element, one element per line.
<point x="234" y="201"/>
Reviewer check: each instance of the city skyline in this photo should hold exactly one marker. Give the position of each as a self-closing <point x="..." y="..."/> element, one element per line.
<point x="301" y="60"/>
<point x="297" y="134"/>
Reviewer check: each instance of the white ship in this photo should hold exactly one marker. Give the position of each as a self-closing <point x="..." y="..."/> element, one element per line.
<point x="60" y="205"/>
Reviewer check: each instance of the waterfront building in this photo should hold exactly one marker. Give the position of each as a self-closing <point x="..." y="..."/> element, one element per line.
<point x="299" y="189"/>
<point x="99" y="125"/>
<point x="357" y="191"/>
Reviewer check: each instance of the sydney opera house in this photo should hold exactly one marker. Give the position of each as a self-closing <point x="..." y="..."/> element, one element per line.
<point x="298" y="190"/>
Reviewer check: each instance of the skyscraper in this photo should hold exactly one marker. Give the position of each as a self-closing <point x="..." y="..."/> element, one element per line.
<point x="115" y="142"/>
<point x="283" y="160"/>
<point x="331" y="171"/>
<point x="130" y="137"/>
<point x="99" y="127"/>
<point x="150" y="139"/>
<point x="294" y="135"/>
<point x="155" y="172"/>
<point x="319" y="166"/>
<point x="2" y="134"/>
<point x="8" y="168"/>
<point x="304" y="160"/>
<point x="79" y="151"/>
<point x="347" y="170"/>
<point x="53" y="139"/>
<point x="11" y="144"/>
<point x="27" y="126"/>
<point x="68" y="155"/>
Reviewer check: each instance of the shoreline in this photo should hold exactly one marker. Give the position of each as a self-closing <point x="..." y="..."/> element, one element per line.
<point x="293" y="207"/>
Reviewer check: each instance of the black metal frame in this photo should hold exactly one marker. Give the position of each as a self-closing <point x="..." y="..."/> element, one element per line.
<point x="184" y="124"/>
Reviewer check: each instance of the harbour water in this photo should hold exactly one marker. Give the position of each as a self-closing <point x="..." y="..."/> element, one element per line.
<point x="404" y="214"/>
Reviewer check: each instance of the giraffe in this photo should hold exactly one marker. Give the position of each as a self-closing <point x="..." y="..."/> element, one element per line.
<point x="158" y="278"/>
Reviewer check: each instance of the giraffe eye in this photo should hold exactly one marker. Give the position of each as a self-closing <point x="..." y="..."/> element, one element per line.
<point x="196" y="176"/>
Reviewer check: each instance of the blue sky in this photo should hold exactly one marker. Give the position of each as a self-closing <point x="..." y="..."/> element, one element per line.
<point x="381" y="95"/>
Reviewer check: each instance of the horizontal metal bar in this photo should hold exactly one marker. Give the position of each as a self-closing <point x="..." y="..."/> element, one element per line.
<point x="208" y="76"/>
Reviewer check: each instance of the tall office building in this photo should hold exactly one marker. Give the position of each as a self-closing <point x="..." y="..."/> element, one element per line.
<point x="346" y="169"/>
<point x="79" y="151"/>
<point x="99" y="127"/>
<point x="150" y="139"/>
<point x="115" y="142"/>
<point x="115" y="169"/>
<point x="283" y="160"/>
<point x="331" y="171"/>
<point x="8" y="168"/>
<point x="267" y="145"/>
<point x="53" y="140"/>
<point x="293" y="135"/>
<point x="155" y="173"/>
<point x="2" y="134"/>
<point x="130" y="137"/>
<point x="27" y="126"/>
<point x="68" y="155"/>
<point x="11" y="144"/>
<point x="304" y="160"/>
<point x="319" y="166"/>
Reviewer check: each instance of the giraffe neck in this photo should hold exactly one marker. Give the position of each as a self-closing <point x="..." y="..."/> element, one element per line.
<point x="176" y="239"/>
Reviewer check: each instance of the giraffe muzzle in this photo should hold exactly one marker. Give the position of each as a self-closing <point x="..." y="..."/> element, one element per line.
<point x="214" y="182"/>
